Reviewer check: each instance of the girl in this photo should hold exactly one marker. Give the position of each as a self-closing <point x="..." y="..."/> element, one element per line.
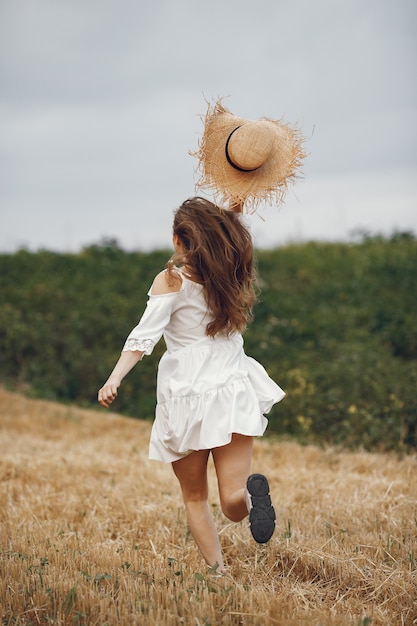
<point x="211" y="397"/>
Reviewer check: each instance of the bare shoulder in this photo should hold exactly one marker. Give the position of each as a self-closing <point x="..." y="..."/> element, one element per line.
<point x="166" y="283"/>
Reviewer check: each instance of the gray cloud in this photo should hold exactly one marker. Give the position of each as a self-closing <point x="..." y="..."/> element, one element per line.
<point x="100" y="105"/>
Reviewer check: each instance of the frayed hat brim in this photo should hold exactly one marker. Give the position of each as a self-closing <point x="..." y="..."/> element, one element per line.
<point x="268" y="182"/>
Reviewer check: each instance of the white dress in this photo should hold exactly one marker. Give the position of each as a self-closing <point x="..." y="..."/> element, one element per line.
<point x="207" y="388"/>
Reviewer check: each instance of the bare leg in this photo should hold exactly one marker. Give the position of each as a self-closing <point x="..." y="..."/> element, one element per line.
<point x="238" y="496"/>
<point x="232" y="463"/>
<point x="191" y="472"/>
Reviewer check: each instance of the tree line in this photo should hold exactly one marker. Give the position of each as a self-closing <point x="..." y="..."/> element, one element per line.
<point x="335" y="326"/>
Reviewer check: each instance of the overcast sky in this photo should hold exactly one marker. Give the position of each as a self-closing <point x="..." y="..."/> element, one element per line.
<point x="100" y="104"/>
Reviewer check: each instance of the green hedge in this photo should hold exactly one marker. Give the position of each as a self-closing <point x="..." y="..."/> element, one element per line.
<point x="336" y="326"/>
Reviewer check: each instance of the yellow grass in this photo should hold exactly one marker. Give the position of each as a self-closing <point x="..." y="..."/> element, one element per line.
<point x="92" y="533"/>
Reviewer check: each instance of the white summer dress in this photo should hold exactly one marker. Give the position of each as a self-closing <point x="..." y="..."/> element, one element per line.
<point x="207" y="388"/>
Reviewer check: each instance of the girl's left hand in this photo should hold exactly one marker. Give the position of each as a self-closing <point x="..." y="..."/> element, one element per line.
<point x="126" y="361"/>
<point x="108" y="393"/>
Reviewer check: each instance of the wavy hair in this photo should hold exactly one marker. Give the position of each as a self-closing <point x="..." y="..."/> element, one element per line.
<point x="218" y="253"/>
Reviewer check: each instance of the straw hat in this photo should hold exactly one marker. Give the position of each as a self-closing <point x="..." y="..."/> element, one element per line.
<point x="246" y="162"/>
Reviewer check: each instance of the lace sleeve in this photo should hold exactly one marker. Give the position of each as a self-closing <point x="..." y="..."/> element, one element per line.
<point x="152" y="324"/>
<point x="144" y="345"/>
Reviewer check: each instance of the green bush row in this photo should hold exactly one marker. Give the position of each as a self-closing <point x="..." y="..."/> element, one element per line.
<point x="335" y="326"/>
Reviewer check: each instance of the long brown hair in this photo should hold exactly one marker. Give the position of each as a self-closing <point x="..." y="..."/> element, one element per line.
<point x="218" y="253"/>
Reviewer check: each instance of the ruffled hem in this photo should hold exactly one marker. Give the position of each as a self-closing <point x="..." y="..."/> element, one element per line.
<point x="206" y="421"/>
<point x="205" y="393"/>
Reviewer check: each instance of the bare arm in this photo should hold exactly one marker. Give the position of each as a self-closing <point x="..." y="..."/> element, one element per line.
<point x="126" y="362"/>
<point x="163" y="284"/>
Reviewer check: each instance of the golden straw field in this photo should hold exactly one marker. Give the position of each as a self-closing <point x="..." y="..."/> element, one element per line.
<point x="94" y="534"/>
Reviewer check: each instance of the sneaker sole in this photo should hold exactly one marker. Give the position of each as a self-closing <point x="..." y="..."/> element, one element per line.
<point x="262" y="514"/>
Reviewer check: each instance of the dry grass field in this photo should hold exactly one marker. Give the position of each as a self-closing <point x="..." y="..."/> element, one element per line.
<point x="92" y="533"/>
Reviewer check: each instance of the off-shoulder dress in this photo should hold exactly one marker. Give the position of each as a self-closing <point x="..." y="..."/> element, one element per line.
<point x="207" y="388"/>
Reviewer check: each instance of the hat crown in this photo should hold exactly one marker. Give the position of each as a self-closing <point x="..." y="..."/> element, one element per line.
<point x="250" y="145"/>
<point x="246" y="162"/>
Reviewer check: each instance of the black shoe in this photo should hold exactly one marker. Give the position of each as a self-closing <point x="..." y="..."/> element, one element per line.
<point x="262" y="513"/>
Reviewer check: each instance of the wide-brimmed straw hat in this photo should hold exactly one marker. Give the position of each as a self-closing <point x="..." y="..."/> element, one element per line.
<point x="246" y="162"/>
